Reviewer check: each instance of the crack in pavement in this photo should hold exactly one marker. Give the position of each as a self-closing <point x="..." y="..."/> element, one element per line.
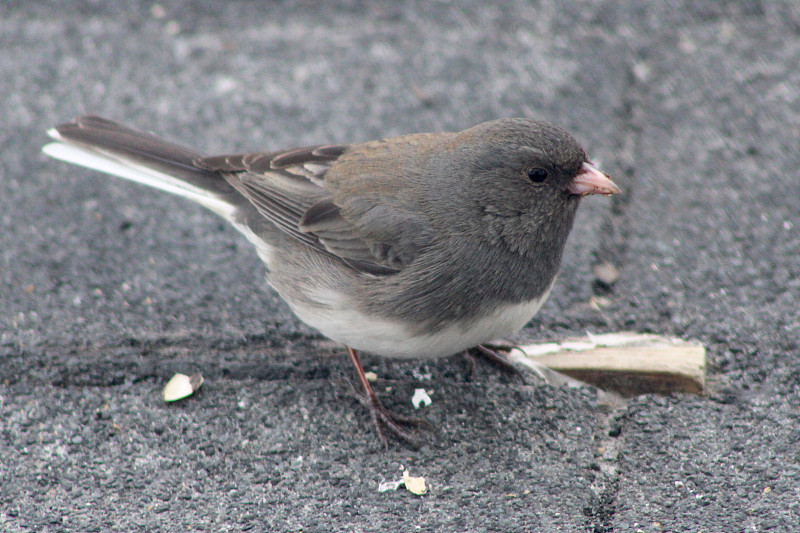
<point x="612" y="249"/>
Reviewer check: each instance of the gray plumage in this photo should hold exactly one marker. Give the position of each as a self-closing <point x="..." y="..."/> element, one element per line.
<point x="415" y="246"/>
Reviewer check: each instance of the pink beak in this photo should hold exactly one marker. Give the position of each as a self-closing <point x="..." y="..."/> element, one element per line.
<point x="592" y="181"/>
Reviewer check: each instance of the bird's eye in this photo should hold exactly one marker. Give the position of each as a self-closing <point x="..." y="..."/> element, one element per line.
<point x="536" y="174"/>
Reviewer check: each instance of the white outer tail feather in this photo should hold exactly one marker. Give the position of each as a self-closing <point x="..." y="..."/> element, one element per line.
<point x="116" y="166"/>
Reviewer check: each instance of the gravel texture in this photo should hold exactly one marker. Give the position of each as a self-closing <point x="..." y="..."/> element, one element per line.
<point x="108" y="288"/>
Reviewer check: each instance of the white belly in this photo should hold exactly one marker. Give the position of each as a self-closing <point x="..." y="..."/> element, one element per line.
<point x="393" y="339"/>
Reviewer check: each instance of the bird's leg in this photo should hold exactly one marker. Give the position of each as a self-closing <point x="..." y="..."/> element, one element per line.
<point x="489" y="354"/>
<point x="384" y="420"/>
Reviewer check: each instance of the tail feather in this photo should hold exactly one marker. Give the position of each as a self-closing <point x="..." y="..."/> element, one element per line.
<point x="106" y="146"/>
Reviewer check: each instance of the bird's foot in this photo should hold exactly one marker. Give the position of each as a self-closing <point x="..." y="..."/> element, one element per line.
<point x="388" y="423"/>
<point x="385" y="421"/>
<point x="489" y="353"/>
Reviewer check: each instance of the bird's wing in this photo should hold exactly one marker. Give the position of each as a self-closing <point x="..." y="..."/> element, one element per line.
<point x="288" y="188"/>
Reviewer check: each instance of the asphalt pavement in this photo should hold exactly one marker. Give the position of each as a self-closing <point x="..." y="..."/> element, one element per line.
<point x="108" y="288"/>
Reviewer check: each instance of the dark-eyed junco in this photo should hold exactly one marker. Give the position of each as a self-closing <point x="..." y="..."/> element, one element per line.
<point x="417" y="246"/>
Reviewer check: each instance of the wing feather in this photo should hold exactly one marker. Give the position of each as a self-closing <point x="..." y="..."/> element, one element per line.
<point x="288" y="189"/>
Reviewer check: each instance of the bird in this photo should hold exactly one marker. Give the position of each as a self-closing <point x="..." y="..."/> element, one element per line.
<point x="417" y="246"/>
